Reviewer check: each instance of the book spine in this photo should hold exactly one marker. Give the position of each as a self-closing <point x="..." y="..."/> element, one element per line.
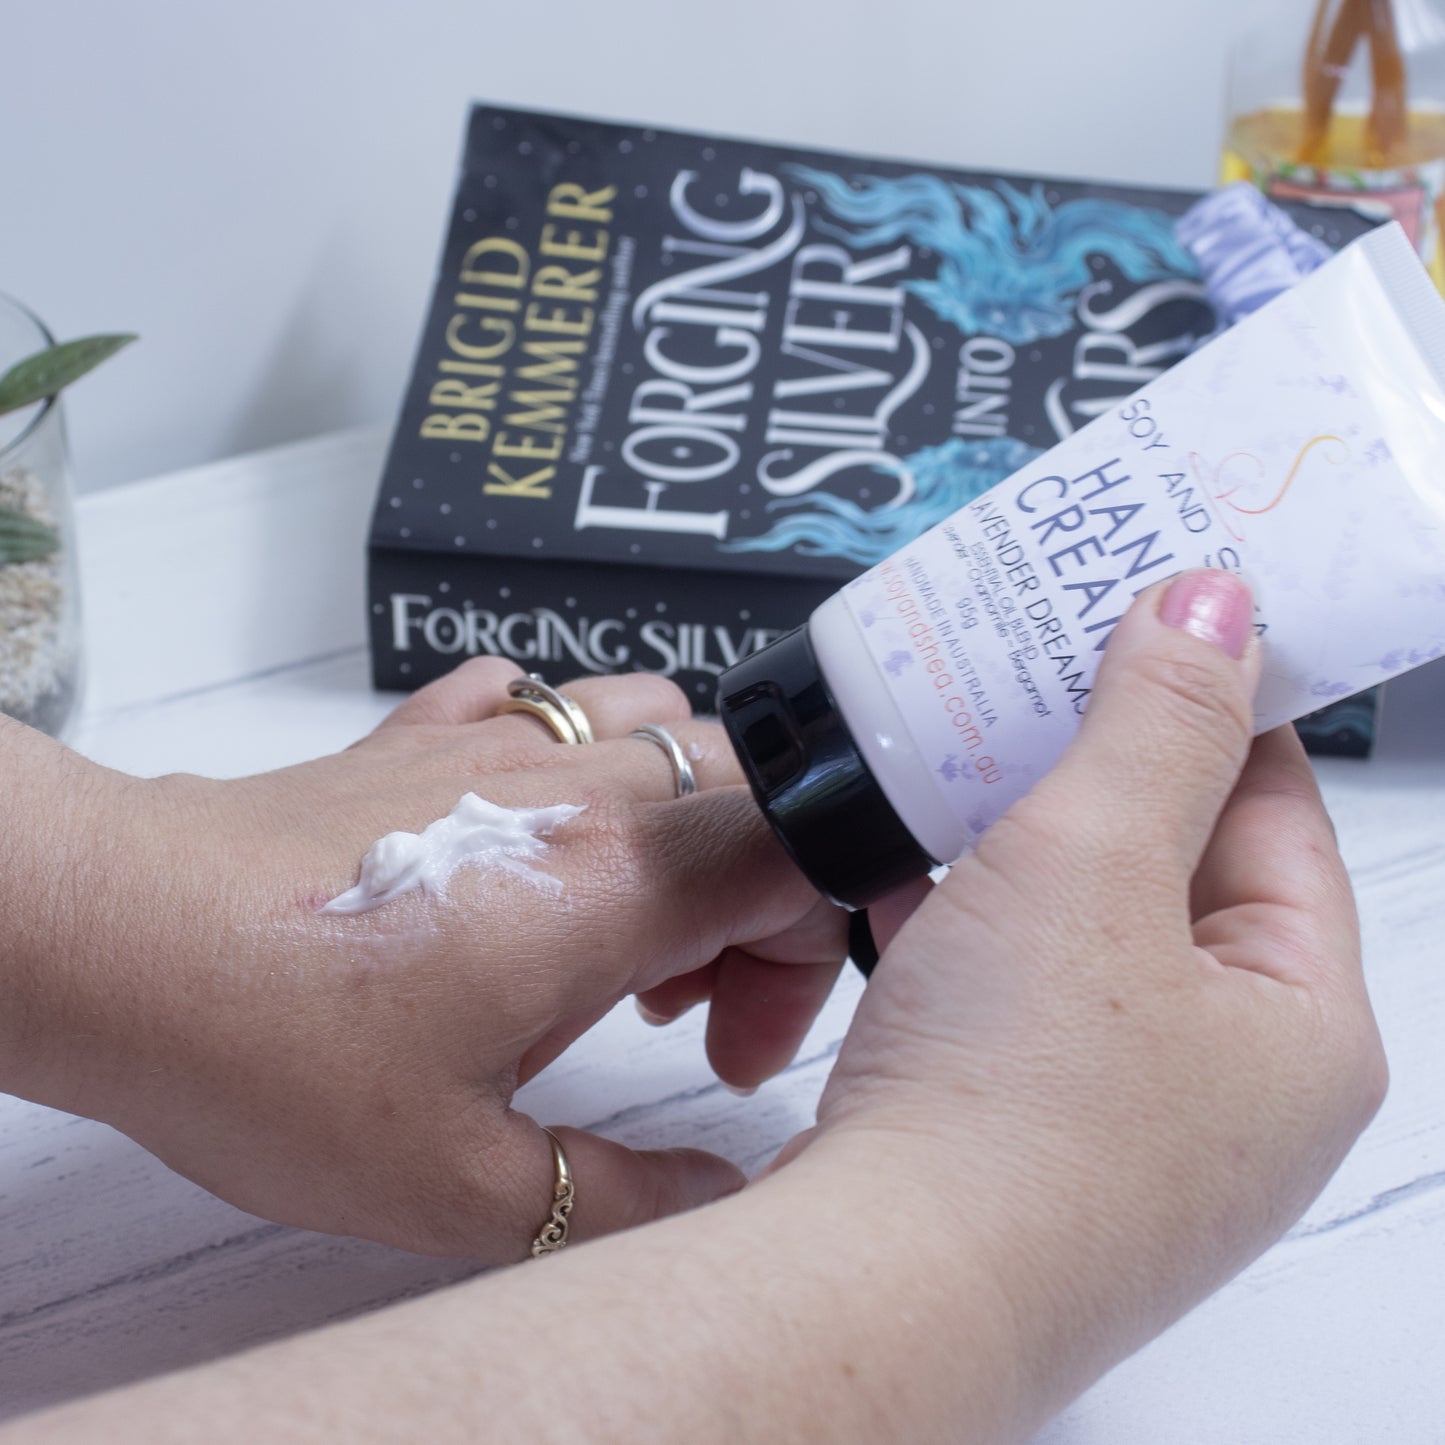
<point x="428" y="614"/>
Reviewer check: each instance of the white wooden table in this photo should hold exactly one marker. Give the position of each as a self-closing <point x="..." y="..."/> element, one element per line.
<point x="225" y="620"/>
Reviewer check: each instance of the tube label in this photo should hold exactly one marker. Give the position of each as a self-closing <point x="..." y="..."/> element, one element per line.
<point x="1272" y="451"/>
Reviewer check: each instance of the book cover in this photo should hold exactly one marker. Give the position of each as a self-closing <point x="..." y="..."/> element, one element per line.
<point x="673" y="390"/>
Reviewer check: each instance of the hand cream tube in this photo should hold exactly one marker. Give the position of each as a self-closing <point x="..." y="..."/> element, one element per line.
<point x="1304" y="448"/>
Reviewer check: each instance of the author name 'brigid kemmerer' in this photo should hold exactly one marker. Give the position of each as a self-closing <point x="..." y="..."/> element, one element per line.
<point x="516" y="342"/>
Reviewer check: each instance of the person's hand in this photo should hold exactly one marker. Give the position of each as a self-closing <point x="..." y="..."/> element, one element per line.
<point x="1109" y="1059"/>
<point x="1123" y="1045"/>
<point x="354" y="1073"/>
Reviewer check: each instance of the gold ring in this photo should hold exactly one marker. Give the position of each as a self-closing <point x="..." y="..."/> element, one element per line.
<point x="553" y="1234"/>
<point x="558" y="721"/>
<point x="683" y="777"/>
<point x="564" y="716"/>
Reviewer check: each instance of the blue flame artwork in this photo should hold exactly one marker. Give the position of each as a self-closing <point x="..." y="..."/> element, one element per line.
<point x="945" y="478"/>
<point x="1010" y="264"/>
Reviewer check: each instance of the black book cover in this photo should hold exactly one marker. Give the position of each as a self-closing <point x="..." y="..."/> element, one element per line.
<point x="673" y="390"/>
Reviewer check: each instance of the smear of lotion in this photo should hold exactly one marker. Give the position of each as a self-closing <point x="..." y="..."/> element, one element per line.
<point x="475" y="831"/>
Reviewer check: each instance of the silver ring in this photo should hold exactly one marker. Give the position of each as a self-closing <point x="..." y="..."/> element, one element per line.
<point x="682" y="774"/>
<point x="531" y="689"/>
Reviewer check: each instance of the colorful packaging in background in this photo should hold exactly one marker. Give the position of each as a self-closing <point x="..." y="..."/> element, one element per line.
<point x="674" y="390"/>
<point x="1348" y="108"/>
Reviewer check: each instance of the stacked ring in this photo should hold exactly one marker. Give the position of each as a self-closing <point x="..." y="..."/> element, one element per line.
<point x="683" y="777"/>
<point x="561" y="713"/>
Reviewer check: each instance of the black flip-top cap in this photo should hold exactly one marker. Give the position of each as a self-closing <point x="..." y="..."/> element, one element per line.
<point x="809" y="777"/>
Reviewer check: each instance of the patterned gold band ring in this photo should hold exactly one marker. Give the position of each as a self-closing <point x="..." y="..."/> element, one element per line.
<point x="553" y="1234"/>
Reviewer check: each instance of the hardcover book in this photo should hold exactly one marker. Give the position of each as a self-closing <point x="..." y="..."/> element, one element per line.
<point x="674" y="390"/>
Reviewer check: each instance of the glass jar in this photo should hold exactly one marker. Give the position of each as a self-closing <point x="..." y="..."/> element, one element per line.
<point x="1345" y="104"/>
<point x="40" y="642"/>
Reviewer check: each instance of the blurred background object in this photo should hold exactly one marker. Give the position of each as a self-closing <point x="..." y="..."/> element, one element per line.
<point x="1348" y="106"/>
<point x="40" y="641"/>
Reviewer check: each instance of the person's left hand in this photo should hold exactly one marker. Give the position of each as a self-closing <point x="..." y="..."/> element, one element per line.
<point x="355" y="1073"/>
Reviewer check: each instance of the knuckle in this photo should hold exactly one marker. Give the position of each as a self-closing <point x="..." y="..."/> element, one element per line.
<point x="478" y="675"/>
<point x="1197" y="691"/>
<point x="1192" y="705"/>
<point x="1352" y="1064"/>
<point x="676" y="700"/>
<point x="486" y="669"/>
<point x="660" y="694"/>
<point x="1371" y="1076"/>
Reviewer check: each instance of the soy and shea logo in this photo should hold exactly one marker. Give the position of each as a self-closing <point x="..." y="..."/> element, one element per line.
<point x="1243" y="485"/>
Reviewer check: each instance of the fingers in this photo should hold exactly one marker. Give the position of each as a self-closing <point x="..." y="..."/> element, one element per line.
<point x="764" y="994"/>
<point x="1274" y="842"/>
<point x="707" y="874"/>
<point x="892" y="911"/>
<point x="790" y="1151"/>
<point x="1167" y="730"/>
<point x="467" y="693"/>
<point x="761" y="1007"/>
<point x="615" y="708"/>
<point x="715" y="883"/>
<point x="1273" y="855"/>
<point x="616" y="705"/>
<point x="614" y="1187"/>
<point x="473" y="691"/>
<point x="640" y="766"/>
<point x="760" y="1013"/>
<point x="674" y="996"/>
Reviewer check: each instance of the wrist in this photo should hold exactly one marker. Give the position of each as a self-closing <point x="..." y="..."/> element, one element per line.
<point x="998" y="1274"/>
<point x="919" y="1281"/>
<point x="63" y="864"/>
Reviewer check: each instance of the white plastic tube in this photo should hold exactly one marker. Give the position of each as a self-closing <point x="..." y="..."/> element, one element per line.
<point x="1304" y="448"/>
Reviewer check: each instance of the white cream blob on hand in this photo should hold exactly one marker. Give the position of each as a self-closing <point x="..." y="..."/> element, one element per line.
<point x="475" y="831"/>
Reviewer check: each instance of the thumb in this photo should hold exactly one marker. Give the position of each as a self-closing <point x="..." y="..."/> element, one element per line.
<point x="613" y="1187"/>
<point x="1169" y="722"/>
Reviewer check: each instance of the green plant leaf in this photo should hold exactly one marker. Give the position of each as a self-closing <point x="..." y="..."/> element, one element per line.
<point x="23" y="539"/>
<point x="49" y="371"/>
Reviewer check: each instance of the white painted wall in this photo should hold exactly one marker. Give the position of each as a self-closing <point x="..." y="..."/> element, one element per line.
<point x="259" y="188"/>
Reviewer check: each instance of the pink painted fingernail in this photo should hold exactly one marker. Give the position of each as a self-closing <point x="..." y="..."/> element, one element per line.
<point x="1212" y="605"/>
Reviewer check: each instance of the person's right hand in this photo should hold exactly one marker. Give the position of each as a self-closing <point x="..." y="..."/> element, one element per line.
<point x="1124" y="1044"/>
